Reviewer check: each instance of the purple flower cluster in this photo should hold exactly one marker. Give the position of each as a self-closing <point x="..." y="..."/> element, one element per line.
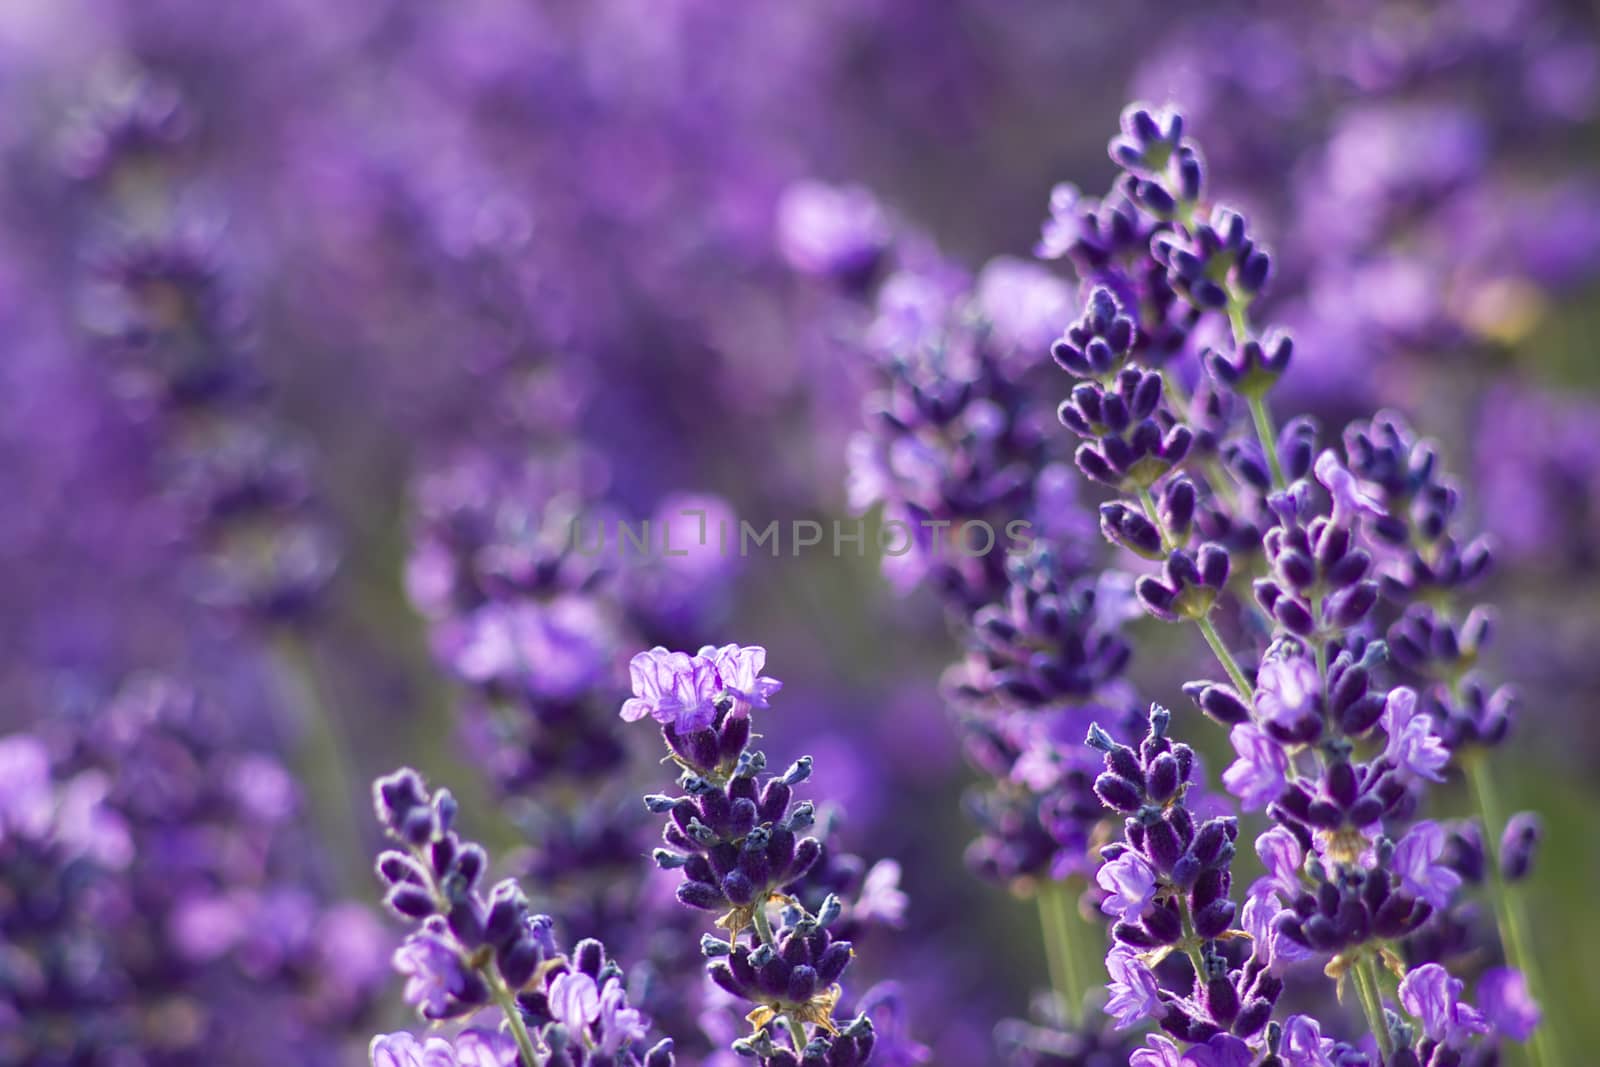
<point x="156" y="861"/>
<point x="737" y="834"/>
<point x="472" y="951"/>
<point x="163" y="308"/>
<point x="1303" y="557"/>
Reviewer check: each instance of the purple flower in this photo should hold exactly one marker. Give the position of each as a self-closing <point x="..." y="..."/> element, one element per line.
<point x="620" y="1024"/>
<point x="683" y="690"/>
<point x="1283" y="857"/>
<point x="881" y="899"/>
<point x="1223" y="1050"/>
<point x="1259" y="775"/>
<point x="1419" y="860"/>
<point x="1503" y="996"/>
<point x="471" y="1048"/>
<point x="27" y="799"/>
<point x="672" y="687"/>
<point x="555" y="650"/>
<point x="1350" y="499"/>
<point x="574" y="1000"/>
<point x="1433" y="998"/>
<point x="885" y="1005"/>
<point x="838" y="231"/>
<point x="1412" y="746"/>
<point x="434" y="971"/>
<point x="1130" y="884"/>
<point x="1135" y="996"/>
<point x="1260" y="920"/>
<point x="1024" y="304"/>
<point x="739" y="672"/>
<point x="1303" y="1043"/>
<point x="1288" y="691"/>
<point x="1159" y="1052"/>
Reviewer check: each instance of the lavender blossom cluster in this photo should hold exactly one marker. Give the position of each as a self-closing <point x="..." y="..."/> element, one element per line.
<point x="1333" y="587"/>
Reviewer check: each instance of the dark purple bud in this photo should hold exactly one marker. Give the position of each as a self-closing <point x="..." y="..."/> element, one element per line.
<point x="1214" y="564"/>
<point x="1162" y="780"/>
<point x="1293" y="616"/>
<point x="1162" y="923"/>
<point x="1362" y="715"/>
<point x="1156" y="598"/>
<point x="1349" y="606"/>
<point x="1214" y="919"/>
<point x="833" y="962"/>
<point x="1118" y="793"/>
<point x="1094" y="465"/>
<point x="411" y="901"/>
<point x="1519" y="845"/>
<point x="700" y="895"/>
<point x="1177" y="505"/>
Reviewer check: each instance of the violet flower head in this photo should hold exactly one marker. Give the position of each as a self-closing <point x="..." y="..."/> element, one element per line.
<point x="1260" y="773"/>
<point x="683" y="691"/>
<point x="1412" y="745"/>
<point x="1419" y="861"/>
<point x="736" y="834"/>
<point x="1129" y="884"/>
<point x="1433" y="997"/>
<point x="838" y="232"/>
<point x="1288" y="694"/>
<point x="1135" y="995"/>
<point x="470" y="1048"/>
<point x="438" y="980"/>
<point x="1504" y="1000"/>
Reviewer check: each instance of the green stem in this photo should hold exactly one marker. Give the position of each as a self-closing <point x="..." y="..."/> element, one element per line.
<point x="1225" y="657"/>
<point x="1191" y="942"/>
<point x="1507" y="909"/>
<point x="763" y="925"/>
<point x="519" y="1029"/>
<point x="797" y="1033"/>
<point x="1151" y="512"/>
<point x="1238" y="321"/>
<point x="1065" y="979"/>
<point x="1268" y="437"/>
<point x="1367" y="989"/>
<point x="323" y="759"/>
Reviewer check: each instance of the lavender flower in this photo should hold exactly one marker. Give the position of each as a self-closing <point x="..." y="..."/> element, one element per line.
<point x="736" y="836"/>
<point x="470" y="951"/>
<point x="470" y="1048"/>
<point x="1379" y="520"/>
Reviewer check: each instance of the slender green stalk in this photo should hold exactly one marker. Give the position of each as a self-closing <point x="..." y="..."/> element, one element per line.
<point x="763" y="925"/>
<point x="1268" y="437"/>
<point x="1191" y="941"/>
<point x="1367" y="989"/>
<point x="1507" y="908"/>
<point x="1148" y="502"/>
<point x="323" y="759"/>
<point x="1224" y="657"/>
<point x="1059" y="949"/>
<point x="797" y="1033"/>
<point x="519" y="1029"/>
